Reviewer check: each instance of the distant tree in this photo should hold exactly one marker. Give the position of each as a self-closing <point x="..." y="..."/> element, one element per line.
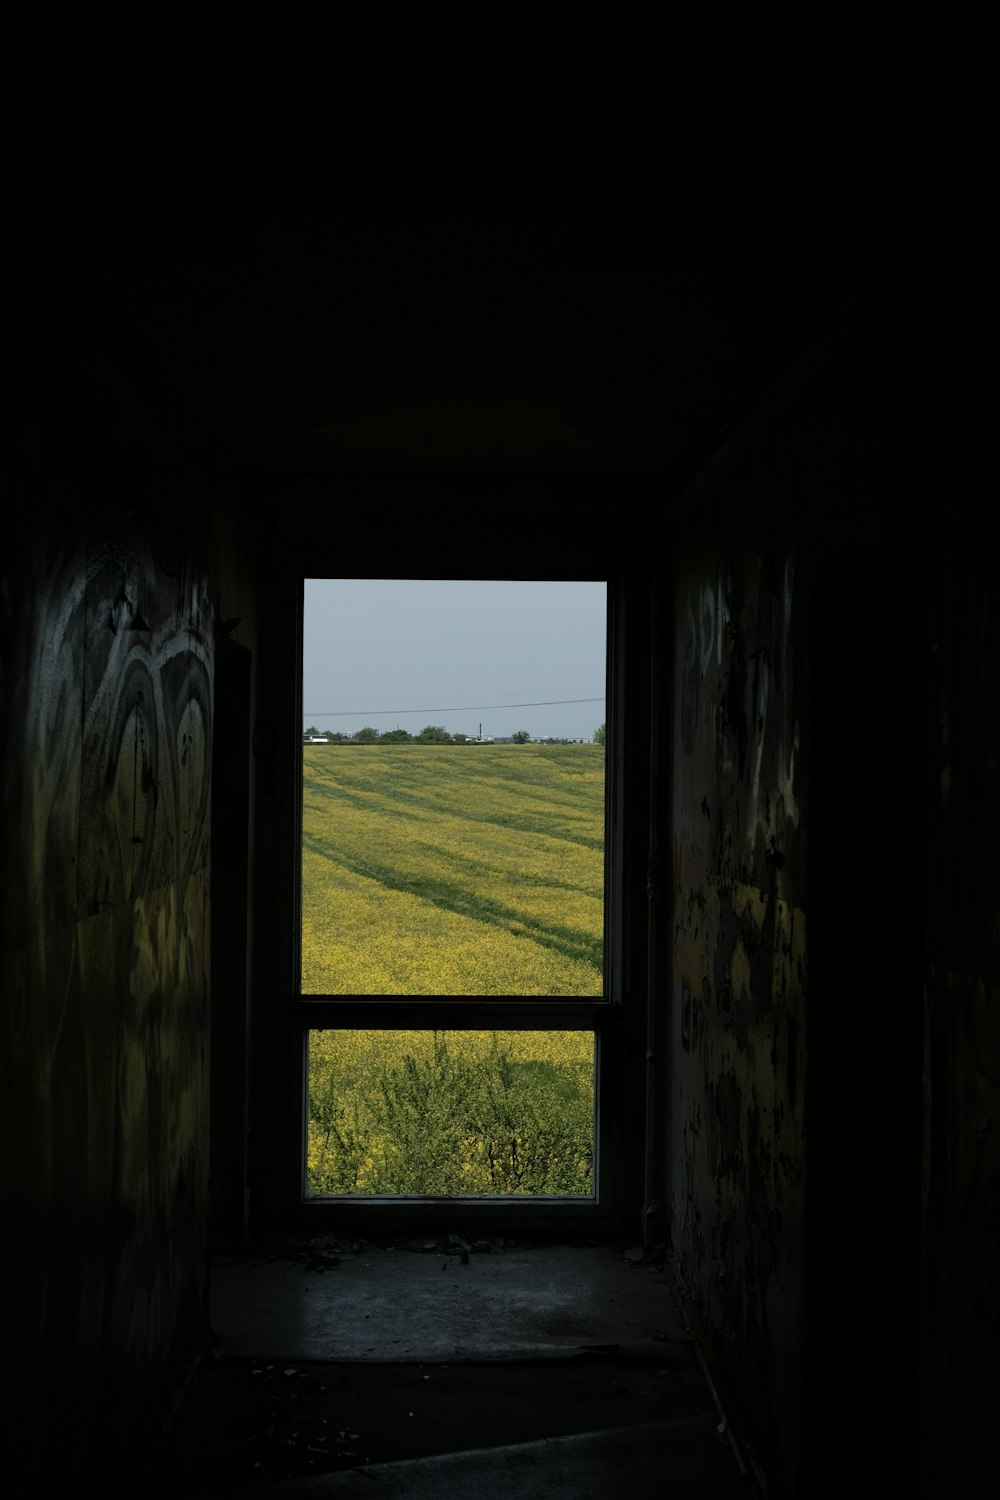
<point x="396" y="736"/>
<point x="366" y="736"/>
<point x="599" y="735"/>
<point x="434" y="734"/>
<point x="307" y="734"/>
<point x="338" y="737"/>
<point x="520" y="737"/>
<point x="459" y="739"/>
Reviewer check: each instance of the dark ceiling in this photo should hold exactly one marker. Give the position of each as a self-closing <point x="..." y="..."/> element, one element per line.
<point x="516" y="244"/>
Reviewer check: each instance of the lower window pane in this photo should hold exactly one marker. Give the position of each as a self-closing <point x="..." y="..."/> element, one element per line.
<point x="451" y="1113"/>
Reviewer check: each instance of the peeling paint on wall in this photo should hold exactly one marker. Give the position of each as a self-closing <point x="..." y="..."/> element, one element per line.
<point x="739" y="953"/>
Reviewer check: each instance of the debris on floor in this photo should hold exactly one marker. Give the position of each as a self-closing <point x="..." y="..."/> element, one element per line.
<point x="337" y="1353"/>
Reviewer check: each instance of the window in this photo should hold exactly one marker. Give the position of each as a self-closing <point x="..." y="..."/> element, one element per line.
<point x="408" y="1031"/>
<point x="462" y="856"/>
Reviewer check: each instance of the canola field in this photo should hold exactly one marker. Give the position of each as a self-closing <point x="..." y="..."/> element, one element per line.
<point x="459" y="1113"/>
<point x="452" y="870"/>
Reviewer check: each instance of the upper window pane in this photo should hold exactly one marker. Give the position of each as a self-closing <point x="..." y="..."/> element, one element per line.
<point x="453" y="787"/>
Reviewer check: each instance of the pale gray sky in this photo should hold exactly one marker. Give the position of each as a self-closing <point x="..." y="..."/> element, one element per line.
<point x="394" y="653"/>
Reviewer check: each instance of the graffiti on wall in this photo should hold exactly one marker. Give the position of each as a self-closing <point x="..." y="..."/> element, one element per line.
<point x="738" y="948"/>
<point x="106" y="806"/>
<point x="737" y="698"/>
<point x="692" y="1020"/>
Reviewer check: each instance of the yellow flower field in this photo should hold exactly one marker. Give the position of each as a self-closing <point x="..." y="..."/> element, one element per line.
<point x="464" y="1113"/>
<point x="453" y="870"/>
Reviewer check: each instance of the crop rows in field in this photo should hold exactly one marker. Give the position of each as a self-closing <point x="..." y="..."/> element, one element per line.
<point x="453" y="870"/>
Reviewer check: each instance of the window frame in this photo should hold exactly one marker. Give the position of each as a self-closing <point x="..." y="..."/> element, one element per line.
<point x="617" y="1018"/>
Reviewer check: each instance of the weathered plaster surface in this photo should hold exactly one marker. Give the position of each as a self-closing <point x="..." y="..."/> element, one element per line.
<point x="106" y="701"/>
<point x="739" y="942"/>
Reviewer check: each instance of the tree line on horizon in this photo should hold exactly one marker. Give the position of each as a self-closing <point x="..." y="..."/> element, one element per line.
<point x="431" y="734"/>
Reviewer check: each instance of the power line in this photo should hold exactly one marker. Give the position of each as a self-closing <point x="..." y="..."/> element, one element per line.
<point x="374" y="713"/>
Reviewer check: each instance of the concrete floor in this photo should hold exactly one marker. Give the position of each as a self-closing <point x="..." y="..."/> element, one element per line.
<point x="439" y="1366"/>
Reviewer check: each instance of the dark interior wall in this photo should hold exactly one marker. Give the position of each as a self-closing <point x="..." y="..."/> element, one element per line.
<point x="960" y="1198"/>
<point x="902" y="1098"/>
<point x="833" y="1092"/>
<point x="113" y="571"/>
<point x="106" y="967"/>
<point x="737" y="1032"/>
<point x="961" y="1183"/>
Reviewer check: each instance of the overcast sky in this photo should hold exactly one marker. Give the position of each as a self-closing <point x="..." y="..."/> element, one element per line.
<point x="401" y="654"/>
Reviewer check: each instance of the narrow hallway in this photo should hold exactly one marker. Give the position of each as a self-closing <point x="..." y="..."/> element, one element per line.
<point x="699" y="311"/>
<point x="448" y="1365"/>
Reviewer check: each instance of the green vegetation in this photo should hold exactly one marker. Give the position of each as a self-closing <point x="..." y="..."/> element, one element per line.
<point x="459" y="1113"/>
